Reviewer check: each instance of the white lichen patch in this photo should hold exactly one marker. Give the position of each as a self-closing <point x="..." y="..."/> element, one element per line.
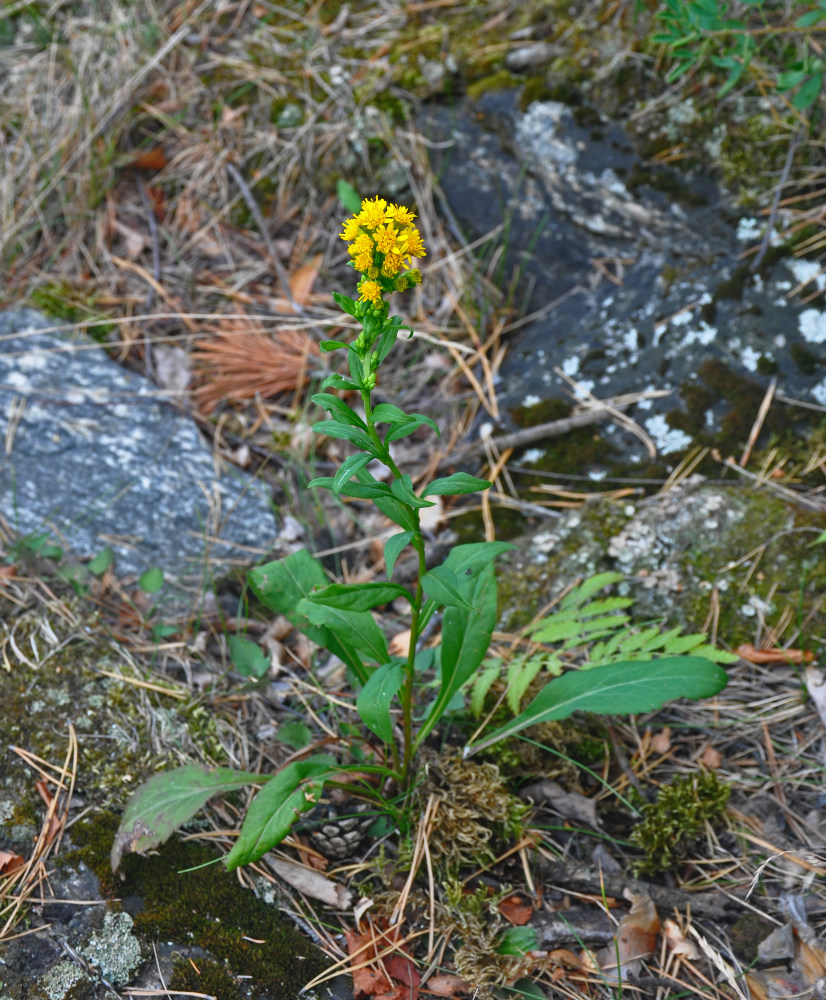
<point x="532" y="455"/>
<point x="812" y="326"/>
<point x="667" y="439"/>
<point x="114" y="949"/>
<point x="749" y="230"/>
<point x="806" y="271"/>
<point x="531" y="400"/>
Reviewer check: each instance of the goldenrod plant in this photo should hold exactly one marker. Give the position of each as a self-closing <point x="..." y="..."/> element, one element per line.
<point x="400" y="699"/>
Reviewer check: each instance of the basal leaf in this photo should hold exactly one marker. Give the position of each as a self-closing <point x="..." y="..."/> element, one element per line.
<point x="168" y="800"/>
<point x="272" y="813"/>
<point x="375" y="698"/>
<point x="616" y="689"/>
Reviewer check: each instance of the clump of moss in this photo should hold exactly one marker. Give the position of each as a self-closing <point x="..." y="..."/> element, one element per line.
<point x="204" y="908"/>
<point x="475" y="811"/>
<point x="670" y="826"/>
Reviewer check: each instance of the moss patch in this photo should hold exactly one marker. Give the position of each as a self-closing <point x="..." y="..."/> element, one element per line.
<point x="206" y="908"/>
<point x="671" y="825"/>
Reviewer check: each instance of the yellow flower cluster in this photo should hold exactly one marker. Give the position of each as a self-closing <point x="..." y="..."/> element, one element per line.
<point x="383" y="242"/>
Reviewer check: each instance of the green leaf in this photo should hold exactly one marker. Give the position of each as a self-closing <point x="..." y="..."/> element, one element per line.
<point x="338" y="382"/>
<point x="283" y="584"/>
<point x="338" y="409"/>
<point x="808" y="93"/>
<point x="386" y="341"/>
<point x="102" y="561"/>
<point x="295" y="735"/>
<point x="272" y="813"/>
<point x="395" y="543"/>
<point x="332" y="345"/>
<point x="441" y="584"/>
<point x="166" y="801"/>
<point x="358" y="596"/>
<point x="373" y="702"/>
<point x="811" y="17"/>
<point x="455" y="485"/>
<point x="348" y="196"/>
<point x="366" y="487"/>
<point x="398" y="512"/>
<point x="355" y="628"/>
<point x="348" y="468"/>
<point x="521" y="673"/>
<point x="416" y="421"/>
<point x="152" y="580"/>
<point x="616" y="689"/>
<point x="517" y="941"/>
<point x="332" y="428"/>
<point x="482" y="685"/>
<point x="402" y="489"/>
<point x="387" y="413"/>
<point x="468" y="560"/>
<point x="247" y="657"/>
<point x="466" y="637"/>
<point x="791" y="78"/>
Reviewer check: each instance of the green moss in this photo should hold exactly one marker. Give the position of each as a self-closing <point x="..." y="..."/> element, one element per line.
<point x="206" y="908"/>
<point x="62" y="301"/>
<point x="670" y="826"/>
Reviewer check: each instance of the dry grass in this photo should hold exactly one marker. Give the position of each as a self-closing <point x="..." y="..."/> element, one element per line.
<point x="170" y="168"/>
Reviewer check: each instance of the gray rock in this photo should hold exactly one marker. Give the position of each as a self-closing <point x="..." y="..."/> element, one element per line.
<point x="636" y="271"/>
<point x="96" y="455"/>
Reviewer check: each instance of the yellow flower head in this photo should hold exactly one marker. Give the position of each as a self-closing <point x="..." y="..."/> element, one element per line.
<point x="382" y="238"/>
<point x="403" y="216"/>
<point x="370" y="291"/>
<point x="373" y="213"/>
<point x="351" y="229"/>
<point x="389" y="239"/>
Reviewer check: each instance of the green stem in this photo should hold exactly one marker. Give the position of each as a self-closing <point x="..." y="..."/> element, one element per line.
<point x="417" y="542"/>
<point x="407" y="690"/>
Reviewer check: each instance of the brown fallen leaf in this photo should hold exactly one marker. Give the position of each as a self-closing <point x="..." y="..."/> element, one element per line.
<point x="10" y="862"/>
<point x="302" y="280"/>
<point x="711" y="757"/>
<point x="149" y="159"/>
<point x="447" y="985"/>
<point x="677" y="943"/>
<point x="516" y="909"/>
<point x="399" y="645"/>
<point x="368" y="980"/>
<point x="661" y="741"/>
<point x="776" y="655"/>
<point x="635" y="940"/>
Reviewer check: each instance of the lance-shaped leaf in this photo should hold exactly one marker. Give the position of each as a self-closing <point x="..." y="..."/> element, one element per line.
<point x="283" y="584"/>
<point x="338" y="408"/>
<point x="616" y="689"/>
<point x="402" y="489"/>
<point x="373" y="702"/>
<point x="441" y="584"/>
<point x="332" y="428"/>
<point x="272" y="813"/>
<point x="346" y="303"/>
<point x="348" y="468"/>
<point x="458" y="483"/>
<point x="358" y="596"/>
<point x="336" y="381"/>
<point x="355" y="628"/>
<point x="168" y="800"/>
<point x="466" y="637"/>
<point x="394" y="545"/>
